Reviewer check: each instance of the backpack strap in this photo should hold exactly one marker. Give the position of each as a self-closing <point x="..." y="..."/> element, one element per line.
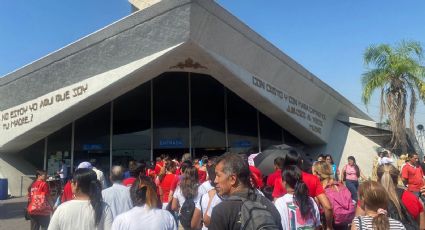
<point x="360" y="223"/>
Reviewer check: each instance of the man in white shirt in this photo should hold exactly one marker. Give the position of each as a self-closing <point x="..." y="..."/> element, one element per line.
<point x="117" y="196"/>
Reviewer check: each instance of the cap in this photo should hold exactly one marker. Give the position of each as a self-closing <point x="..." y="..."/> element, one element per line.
<point x="84" y="165"/>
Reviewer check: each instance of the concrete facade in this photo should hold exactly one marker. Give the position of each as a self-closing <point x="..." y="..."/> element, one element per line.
<point x="186" y="35"/>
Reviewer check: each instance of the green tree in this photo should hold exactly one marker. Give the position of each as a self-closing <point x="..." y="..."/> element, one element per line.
<point x="398" y="73"/>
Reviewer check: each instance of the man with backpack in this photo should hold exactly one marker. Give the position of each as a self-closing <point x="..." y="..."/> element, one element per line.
<point x="242" y="206"/>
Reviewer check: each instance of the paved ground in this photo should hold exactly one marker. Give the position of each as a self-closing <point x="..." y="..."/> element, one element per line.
<point x="12" y="214"/>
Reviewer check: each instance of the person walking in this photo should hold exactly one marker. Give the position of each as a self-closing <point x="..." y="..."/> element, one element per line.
<point x="63" y="173"/>
<point x="203" y="209"/>
<point x="314" y="186"/>
<point x="351" y="174"/>
<point x="86" y="210"/>
<point x="166" y="182"/>
<point x="147" y="212"/>
<point x="337" y="194"/>
<point x="296" y="208"/>
<point x="39" y="201"/>
<point x="278" y="163"/>
<point x="412" y="174"/>
<point x="187" y="192"/>
<point x="374" y="200"/>
<point x="118" y="195"/>
<point x="335" y="170"/>
<point x="233" y="182"/>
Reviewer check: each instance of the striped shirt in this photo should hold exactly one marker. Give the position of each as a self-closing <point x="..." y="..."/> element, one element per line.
<point x="366" y="222"/>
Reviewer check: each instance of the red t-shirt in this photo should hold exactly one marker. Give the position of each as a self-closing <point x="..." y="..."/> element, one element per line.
<point x="414" y="177"/>
<point x="256" y="176"/>
<point x="314" y="186"/>
<point x="40" y="186"/>
<point x="202" y="176"/>
<point x="67" y="192"/>
<point x="272" y="177"/>
<point x="158" y="167"/>
<point x="166" y="185"/>
<point x="412" y="204"/>
<point x="129" y="181"/>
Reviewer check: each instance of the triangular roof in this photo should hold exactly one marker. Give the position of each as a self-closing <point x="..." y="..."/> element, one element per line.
<point x="185" y="35"/>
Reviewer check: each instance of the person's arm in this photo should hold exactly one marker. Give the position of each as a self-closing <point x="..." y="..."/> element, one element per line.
<point x="175" y="204"/>
<point x="196" y="223"/>
<point x="327" y="207"/>
<point x="421" y="220"/>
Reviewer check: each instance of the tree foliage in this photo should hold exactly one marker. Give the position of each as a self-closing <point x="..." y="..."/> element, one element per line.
<point x="398" y="73"/>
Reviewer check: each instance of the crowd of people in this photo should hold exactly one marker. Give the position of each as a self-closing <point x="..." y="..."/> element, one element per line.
<point x="229" y="192"/>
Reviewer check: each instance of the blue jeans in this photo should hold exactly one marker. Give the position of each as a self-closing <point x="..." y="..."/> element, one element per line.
<point x="353" y="186"/>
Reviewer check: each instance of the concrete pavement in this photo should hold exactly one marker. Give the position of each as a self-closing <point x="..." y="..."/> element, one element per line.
<point x="12" y="214"/>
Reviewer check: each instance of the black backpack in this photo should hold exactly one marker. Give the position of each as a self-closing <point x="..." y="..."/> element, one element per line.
<point x="254" y="213"/>
<point x="186" y="213"/>
<point x="408" y="221"/>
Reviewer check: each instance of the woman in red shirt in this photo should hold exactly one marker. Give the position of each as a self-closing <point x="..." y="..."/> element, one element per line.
<point x="39" y="201"/>
<point x="166" y="182"/>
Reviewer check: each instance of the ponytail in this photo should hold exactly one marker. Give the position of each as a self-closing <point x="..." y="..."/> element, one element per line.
<point x="95" y="194"/>
<point x="381" y="222"/>
<point x="88" y="184"/>
<point x="303" y="200"/>
<point x="292" y="176"/>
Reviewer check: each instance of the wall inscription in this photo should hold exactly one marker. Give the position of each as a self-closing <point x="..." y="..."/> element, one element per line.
<point x="24" y="114"/>
<point x="296" y="107"/>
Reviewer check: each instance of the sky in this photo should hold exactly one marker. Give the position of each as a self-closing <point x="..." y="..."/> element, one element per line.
<point x="327" y="37"/>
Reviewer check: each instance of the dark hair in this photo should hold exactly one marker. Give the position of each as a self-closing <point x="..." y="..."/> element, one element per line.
<point x="410" y="155"/>
<point x="278" y="161"/>
<point x="143" y="191"/>
<point x="234" y="164"/>
<point x="320" y="155"/>
<point x="170" y="166"/>
<point x="292" y="176"/>
<point x="292" y="158"/>
<point x="385" y="154"/>
<point x="184" y="165"/>
<point x="355" y="165"/>
<point x="87" y="183"/>
<point x="190" y="183"/>
<point x="211" y="174"/>
<point x="204" y="160"/>
<point x="329" y="155"/>
<point x="140" y="170"/>
<point x="38" y="172"/>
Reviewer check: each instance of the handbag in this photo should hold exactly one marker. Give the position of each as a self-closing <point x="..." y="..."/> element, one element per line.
<point x="38" y="204"/>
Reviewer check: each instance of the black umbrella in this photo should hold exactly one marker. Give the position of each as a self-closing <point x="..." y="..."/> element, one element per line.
<point x="265" y="160"/>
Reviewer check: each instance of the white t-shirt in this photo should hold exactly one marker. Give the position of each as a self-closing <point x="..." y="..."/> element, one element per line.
<point x="385" y="160"/>
<point x="204" y="203"/>
<point x="205" y="187"/>
<point x="139" y="218"/>
<point x="179" y="195"/>
<point x="79" y="214"/>
<point x="290" y="213"/>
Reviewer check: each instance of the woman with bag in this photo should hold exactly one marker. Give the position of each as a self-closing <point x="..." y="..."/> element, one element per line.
<point x="39" y="202"/>
<point x="351" y="174"/>
<point x="338" y="195"/>
<point x="202" y="215"/>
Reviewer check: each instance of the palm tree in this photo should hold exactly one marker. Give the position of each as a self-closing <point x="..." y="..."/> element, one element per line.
<point x="398" y="73"/>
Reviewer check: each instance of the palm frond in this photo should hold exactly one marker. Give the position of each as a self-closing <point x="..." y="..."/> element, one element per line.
<point x="407" y="48"/>
<point x="378" y="55"/>
<point x="372" y="80"/>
